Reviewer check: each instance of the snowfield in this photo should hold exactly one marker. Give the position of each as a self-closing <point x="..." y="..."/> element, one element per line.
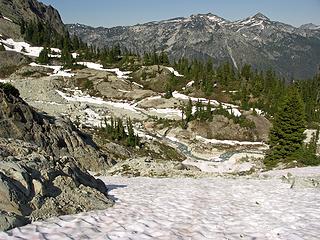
<point x="229" y="142"/>
<point x="25" y="48"/>
<point x="232" y="109"/>
<point x="57" y="70"/>
<point x="170" y="209"/>
<point x="120" y="74"/>
<point x="176" y="73"/>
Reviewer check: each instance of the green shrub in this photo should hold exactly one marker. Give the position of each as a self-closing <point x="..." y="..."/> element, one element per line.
<point x="9" y="89"/>
<point x="305" y="157"/>
<point x="88" y="84"/>
<point x="2" y="48"/>
<point x="6" y="71"/>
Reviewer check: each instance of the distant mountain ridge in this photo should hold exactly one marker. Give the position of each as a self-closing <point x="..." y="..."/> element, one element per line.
<point x="257" y="40"/>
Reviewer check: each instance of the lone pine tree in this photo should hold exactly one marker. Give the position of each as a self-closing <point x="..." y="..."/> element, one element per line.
<point x="287" y="133"/>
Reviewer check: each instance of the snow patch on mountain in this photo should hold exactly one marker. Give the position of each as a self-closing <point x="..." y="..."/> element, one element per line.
<point x="176" y="73"/>
<point x="57" y="70"/>
<point x="230" y="142"/>
<point x="6" y="18"/>
<point x="120" y="74"/>
<point x="232" y="109"/>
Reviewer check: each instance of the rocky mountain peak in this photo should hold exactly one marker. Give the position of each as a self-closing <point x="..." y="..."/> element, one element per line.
<point x="309" y="26"/>
<point x="256" y="40"/>
<point x="209" y="16"/>
<point x="260" y="16"/>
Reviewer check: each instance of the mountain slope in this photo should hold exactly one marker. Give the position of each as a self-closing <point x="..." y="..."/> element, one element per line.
<point x="13" y="12"/>
<point x="292" y="52"/>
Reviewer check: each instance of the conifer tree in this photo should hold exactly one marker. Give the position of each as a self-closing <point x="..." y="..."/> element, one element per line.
<point x="66" y="57"/>
<point x="44" y="56"/>
<point x="189" y="111"/>
<point x="287" y="133"/>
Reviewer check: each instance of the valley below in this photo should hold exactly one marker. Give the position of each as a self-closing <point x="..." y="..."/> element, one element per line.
<point x="180" y="184"/>
<point x="167" y="130"/>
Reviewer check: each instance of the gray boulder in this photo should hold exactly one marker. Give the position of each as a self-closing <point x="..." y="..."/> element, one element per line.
<point x="35" y="187"/>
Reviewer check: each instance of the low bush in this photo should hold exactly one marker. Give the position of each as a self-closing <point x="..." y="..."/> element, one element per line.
<point x="9" y="89"/>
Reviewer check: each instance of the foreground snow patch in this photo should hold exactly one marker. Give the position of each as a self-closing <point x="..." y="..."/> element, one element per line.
<point x="190" y="209"/>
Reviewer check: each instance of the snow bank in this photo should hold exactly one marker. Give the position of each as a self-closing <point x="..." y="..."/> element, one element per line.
<point x="309" y="135"/>
<point x="57" y="70"/>
<point x="75" y="55"/>
<point x="5" y="81"/>
<point x="232" y="165"/>
<point x="232" y="109"/>
<point x="137" y="84"/>
<point x="120" y="74"/>
<point x="21" y="47"/>
<point x="190" y="84"/>
<point x="6" y="18"/>
<point x="186" y="208"/>
<point x="26" y="48"/>
<point x="92" y="118"/>
<point x="168" y="112"/>
<point x="229" y="142"/>
<point x="79" y="96"/>
<point x="174" y="72"/>
<point x="297" y="172"/>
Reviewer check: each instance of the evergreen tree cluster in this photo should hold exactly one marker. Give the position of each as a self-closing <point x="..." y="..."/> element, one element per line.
<point x="154" y="58"/>
<point x="116" y="130"/>
<point x="205" y="112"/>
<point x="9" y="89"/>
<point x="42" y="34"/>
<point x="287" y="134"/>
<point x="202" y="74"/>
<point x="310" y="92"/>
<point x="252" y="89"/>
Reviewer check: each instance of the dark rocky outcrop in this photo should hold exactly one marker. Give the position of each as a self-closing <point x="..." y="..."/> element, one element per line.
<point x="56" y="136"/>
<point x="43" y="163"/>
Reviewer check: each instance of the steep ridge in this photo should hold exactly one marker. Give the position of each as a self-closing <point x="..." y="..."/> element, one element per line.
<point x="257" y="40"/>
<point x="13" y="12"/>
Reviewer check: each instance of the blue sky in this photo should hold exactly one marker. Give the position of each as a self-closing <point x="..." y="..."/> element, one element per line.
<point x="110" y="13"/>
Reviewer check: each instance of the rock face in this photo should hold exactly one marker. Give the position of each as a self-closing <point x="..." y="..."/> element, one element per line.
<point x="257" y="40"/>
<point x="28" y="10"/>
<point x="56" y="136"/>
<point x="41" y="166"/>
<point x="10" y="61"/>
<point x="34" y="186"/>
